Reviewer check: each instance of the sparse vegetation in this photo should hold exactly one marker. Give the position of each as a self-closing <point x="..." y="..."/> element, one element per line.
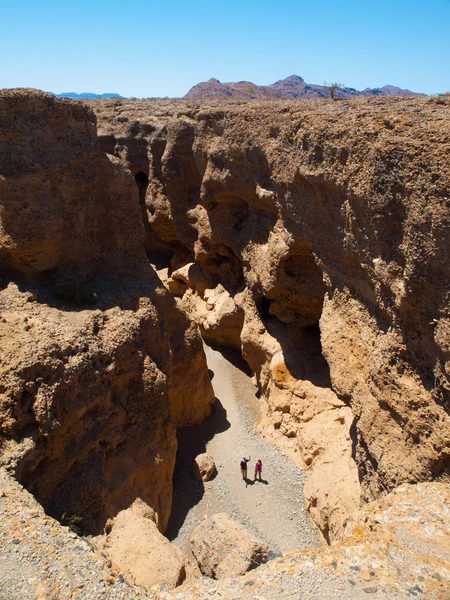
<point x="441" y="98"/>
<point x="74" y="292"/>
<point x="332" y="88"/>
<point x="73" y="522"/>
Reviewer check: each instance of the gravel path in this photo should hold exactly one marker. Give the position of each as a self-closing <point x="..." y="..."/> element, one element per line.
<point x="273" y="510"/>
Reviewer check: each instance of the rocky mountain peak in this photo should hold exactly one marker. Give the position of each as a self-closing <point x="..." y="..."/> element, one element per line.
<point x="292" y="79"/>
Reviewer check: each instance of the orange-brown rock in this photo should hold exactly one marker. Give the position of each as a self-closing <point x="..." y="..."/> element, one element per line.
<point x="326" y="222"/>
<point x="395" y="548"/>
<point x="64" y="203"/>
<point x="219" y="316"/>
<point x="317" y="425"/>
<point x="137" y="548"/>
<point x="98" y="365"/>
<point x="223" y="548"/>
<point x="204" y="467"/>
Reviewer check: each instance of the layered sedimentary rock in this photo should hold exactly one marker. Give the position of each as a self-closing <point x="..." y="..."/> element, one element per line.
<point x="64" y="203"/>
<point x="314" y="237"/>
<point x="98" y="365"/>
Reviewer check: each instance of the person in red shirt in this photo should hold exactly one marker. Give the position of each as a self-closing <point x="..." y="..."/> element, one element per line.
<point x="258" y="470"/>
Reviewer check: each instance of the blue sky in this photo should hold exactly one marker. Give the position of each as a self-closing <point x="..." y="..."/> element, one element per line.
<point x="163" y="48"/>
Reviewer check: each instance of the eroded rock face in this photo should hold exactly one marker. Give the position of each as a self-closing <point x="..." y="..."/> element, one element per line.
<point x="91" y="394"/>
<point x="317" y="425"/>
<point x="319" y="232"/>
<point x="223" y="548"/>
<point x="64" y="203"/>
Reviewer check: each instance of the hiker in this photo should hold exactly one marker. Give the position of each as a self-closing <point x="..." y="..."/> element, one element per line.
<point x="258" y="469"/>
<point x="244" y="462"/>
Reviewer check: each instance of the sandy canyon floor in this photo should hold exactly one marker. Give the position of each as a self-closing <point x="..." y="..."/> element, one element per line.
<point x="272" y="509"/>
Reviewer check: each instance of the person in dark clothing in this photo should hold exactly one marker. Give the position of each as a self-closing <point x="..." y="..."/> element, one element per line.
<point x="244" y="462"/>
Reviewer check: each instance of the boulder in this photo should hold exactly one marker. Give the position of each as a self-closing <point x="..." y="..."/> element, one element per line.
<point x="204" y="468"/>
<point x="223" y="548"/>
<point x="178" y="283"/>
<point x="219" y="316"/>
<point x="137" y="548"/>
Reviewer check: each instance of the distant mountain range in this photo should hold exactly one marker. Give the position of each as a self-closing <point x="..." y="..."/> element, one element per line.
<point x="291" y="87"/>
<point x="85" y="95"/>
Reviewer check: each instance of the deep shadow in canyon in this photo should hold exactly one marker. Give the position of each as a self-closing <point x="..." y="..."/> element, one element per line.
<point x="192" y="441"/>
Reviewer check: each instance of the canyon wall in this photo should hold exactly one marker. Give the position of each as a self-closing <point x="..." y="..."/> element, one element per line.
<point x="313" y="237"/>
<point x="98" y="365"/>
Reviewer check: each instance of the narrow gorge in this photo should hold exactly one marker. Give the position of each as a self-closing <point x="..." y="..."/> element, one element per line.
<point x="311" y="238"/>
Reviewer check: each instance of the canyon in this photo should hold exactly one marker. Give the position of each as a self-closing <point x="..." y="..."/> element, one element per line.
<point x="309" y="236"/>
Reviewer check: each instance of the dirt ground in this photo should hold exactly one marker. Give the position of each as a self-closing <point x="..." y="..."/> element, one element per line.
<point x="272" y="509"/>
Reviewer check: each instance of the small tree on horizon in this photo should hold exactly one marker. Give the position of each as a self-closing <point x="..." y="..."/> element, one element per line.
<point x="333" y="87"/>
